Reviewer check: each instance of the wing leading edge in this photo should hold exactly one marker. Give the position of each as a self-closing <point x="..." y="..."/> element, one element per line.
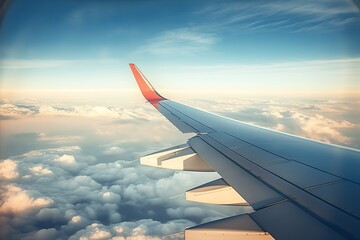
<point x="299" y="188"/>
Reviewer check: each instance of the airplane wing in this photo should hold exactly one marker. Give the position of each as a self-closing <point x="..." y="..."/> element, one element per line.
<point x="298" y="188"/>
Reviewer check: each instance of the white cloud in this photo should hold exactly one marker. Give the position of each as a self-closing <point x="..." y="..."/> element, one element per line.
<point x="119" y="114"/>
<point x="98" y="234"/>
<point x="290" y="15"/>
<point x="142" y="237"/>
<point x="119" y="232"/>
<point x="76" y="219"/>
<point x="50" y="63"/>
<point x="121" y="197"/>
<point x="95" y="232"/>
<point x="111" y="197"/>
<point x="67" y="160"/>
<point x="308" y="78"/>
<point x="8" y="169"/>
<point x="16" y="200"/>
<point x="316" y="126"/>
<point x="182" y="41"/>
<point x="59" y="150"/>
<point x="324" y="9"/>
<point x="326" y="121"/>
<point x="320" y="128"/>
<point x="119" y="229"/>
<point x="274" y="111"/>
<point x="97" y="192"/>
<point x="39" y="170"/>
<point x="114" y="150"/>
<point x="118" y="238"/>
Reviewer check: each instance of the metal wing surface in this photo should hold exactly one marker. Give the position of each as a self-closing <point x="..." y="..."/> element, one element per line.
<point x="299" y="188"/>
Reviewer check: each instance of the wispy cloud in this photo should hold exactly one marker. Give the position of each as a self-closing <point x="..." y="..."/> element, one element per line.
<point x="92" y="12"/>
<point x="182" y="41"/>
<point x="253" y="16"/>
<point x="50" y="63"/>
<point x="290" y="15"/>
<point x="302" y="78"/>
<point x="327" y="64"/>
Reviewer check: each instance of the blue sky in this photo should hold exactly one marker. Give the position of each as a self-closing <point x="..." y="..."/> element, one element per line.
<point x="181" y="44"/>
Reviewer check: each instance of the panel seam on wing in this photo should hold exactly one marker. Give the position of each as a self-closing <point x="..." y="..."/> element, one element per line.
<point x="292" y="199"/>
<point x="172" y="110"/>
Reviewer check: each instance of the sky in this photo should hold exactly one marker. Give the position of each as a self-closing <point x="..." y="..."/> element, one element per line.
<point x="73" y="123"/>
<point x="283" y="46"/>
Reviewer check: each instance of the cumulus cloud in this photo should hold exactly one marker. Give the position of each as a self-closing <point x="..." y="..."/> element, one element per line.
<point x="8" y="170"/>
<point x="93" y="187"/>
<point x="95" y="231"/>
<point x="123" y="231"/>
<point x="39" y="170"/>
<point x="16" y="200"/>
<point x="66" y="159"/>
<point x="75" y="219"/>
<point x="115" y="196"/>
<point x="111" y="197"/>
<point x="321" y="128"/>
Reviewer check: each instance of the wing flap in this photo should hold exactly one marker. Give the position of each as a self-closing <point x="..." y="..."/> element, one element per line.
<point x="301" y="175"/>
<point x="343" y="194"/>
<point x="215" y="192"/>
<point x="181" y="157"/>
<point x="232" y="228"/>
<point x="257" y="194"/>
<point x="256" y="155"/>
<point x="287" y="221"/>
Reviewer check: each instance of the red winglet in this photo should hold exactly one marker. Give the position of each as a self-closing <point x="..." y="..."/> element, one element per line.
<point x="146" y="88"/>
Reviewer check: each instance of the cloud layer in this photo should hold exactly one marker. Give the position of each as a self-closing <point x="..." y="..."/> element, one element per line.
<point x="84" y="181"/>
<point x="73" y="195"/>
<point x="325" y="120"/>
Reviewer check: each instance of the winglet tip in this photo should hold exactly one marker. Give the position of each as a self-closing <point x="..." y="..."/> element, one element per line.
<point x="145" y="86"/>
